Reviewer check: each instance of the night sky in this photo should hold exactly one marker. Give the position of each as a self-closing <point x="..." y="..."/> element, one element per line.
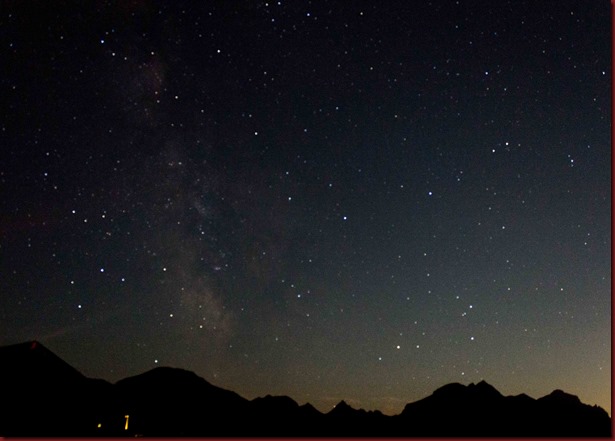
<point x="358" y="200"/>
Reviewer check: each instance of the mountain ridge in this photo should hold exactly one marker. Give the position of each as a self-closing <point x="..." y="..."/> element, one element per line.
<point x="167" y="401"/>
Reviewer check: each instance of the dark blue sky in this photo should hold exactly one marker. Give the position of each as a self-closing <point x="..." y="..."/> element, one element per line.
<point x="327" y="200"/>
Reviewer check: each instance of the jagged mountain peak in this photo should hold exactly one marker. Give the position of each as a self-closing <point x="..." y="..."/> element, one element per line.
<point x="343" y="409"/>
<point x="485" y="389"/>
<point x="342" y="405"/>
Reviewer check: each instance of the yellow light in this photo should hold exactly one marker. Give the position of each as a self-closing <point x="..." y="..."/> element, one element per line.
<point x="126" y="425"/>
<point x="99" y="425"/>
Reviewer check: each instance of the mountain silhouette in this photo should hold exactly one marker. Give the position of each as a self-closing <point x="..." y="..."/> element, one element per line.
<point x="282" y="416"/>
<point x="174" y="402"/>
<point x="481" y="410"/>
<point x="42" y="394"/>
<point x="344" y="420"/>
<point x="45" y="396"/>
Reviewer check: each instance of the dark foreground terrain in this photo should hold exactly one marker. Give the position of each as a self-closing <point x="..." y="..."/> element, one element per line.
<point x="44" y="396"/>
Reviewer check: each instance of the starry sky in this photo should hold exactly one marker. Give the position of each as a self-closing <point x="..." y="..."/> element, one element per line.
<point x="328" y="200"/>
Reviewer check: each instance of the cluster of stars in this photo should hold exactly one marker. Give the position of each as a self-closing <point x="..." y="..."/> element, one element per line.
<point x="261" y="184"/>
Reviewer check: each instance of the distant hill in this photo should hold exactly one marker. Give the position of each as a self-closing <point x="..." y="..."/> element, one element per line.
<point x="44" y="396"/>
